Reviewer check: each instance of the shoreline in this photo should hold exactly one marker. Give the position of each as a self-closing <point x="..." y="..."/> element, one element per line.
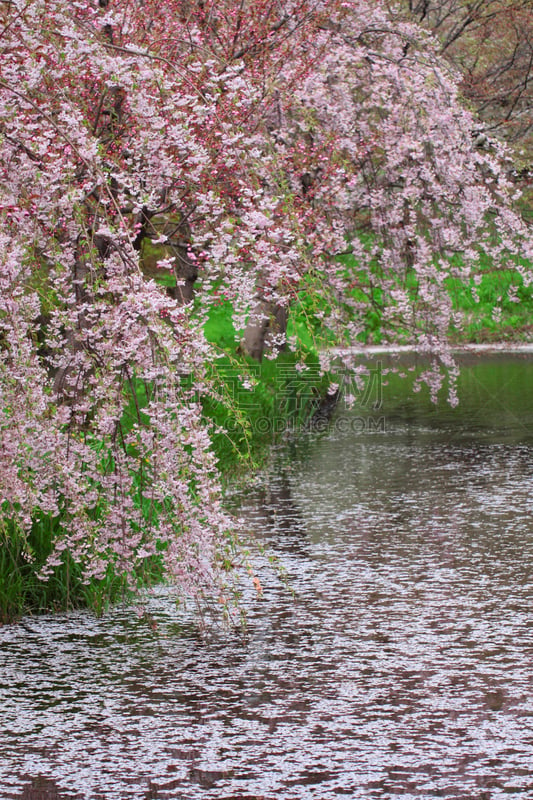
<point x="496" y="347"/>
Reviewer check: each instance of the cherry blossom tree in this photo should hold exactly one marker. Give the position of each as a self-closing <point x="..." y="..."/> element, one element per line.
<point x="255" y="145"/>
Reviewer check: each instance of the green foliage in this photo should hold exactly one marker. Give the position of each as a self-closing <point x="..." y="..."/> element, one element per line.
<point x="308" y="308"/>
<point x="22" y="591"/>
<point x="366" y="295"/>
<point x="258" y="402"/>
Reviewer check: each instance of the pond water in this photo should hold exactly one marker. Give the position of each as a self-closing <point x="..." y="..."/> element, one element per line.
<point x="401" y="667"/>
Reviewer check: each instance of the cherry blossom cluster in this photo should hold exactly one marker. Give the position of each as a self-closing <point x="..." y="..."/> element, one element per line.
<point x="276" y="137"/>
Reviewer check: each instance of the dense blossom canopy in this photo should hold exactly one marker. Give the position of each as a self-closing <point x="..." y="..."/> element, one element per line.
<point x="258" y="141"/>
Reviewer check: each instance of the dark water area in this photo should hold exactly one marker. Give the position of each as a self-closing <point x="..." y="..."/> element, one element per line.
<point x="400" y="665"/>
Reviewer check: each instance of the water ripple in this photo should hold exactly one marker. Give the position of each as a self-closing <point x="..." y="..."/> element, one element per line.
<point x="401" y="667"/>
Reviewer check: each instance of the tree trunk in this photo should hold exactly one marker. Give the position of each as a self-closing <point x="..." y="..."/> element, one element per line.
<point x="266" y="329"/>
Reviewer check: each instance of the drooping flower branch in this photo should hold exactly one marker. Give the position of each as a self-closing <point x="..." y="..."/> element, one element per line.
<point x="256" y="143"/>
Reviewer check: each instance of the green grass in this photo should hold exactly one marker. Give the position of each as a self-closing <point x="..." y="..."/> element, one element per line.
<point x="22" y="556"/>
<point x="489" y="314"/>
<point x="496" y="306"/>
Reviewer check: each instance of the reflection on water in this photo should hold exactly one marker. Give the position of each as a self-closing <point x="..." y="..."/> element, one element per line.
<point x="401" y="667"/>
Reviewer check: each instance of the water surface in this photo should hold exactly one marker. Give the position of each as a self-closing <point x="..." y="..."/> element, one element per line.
<point x="401" y="667"/>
